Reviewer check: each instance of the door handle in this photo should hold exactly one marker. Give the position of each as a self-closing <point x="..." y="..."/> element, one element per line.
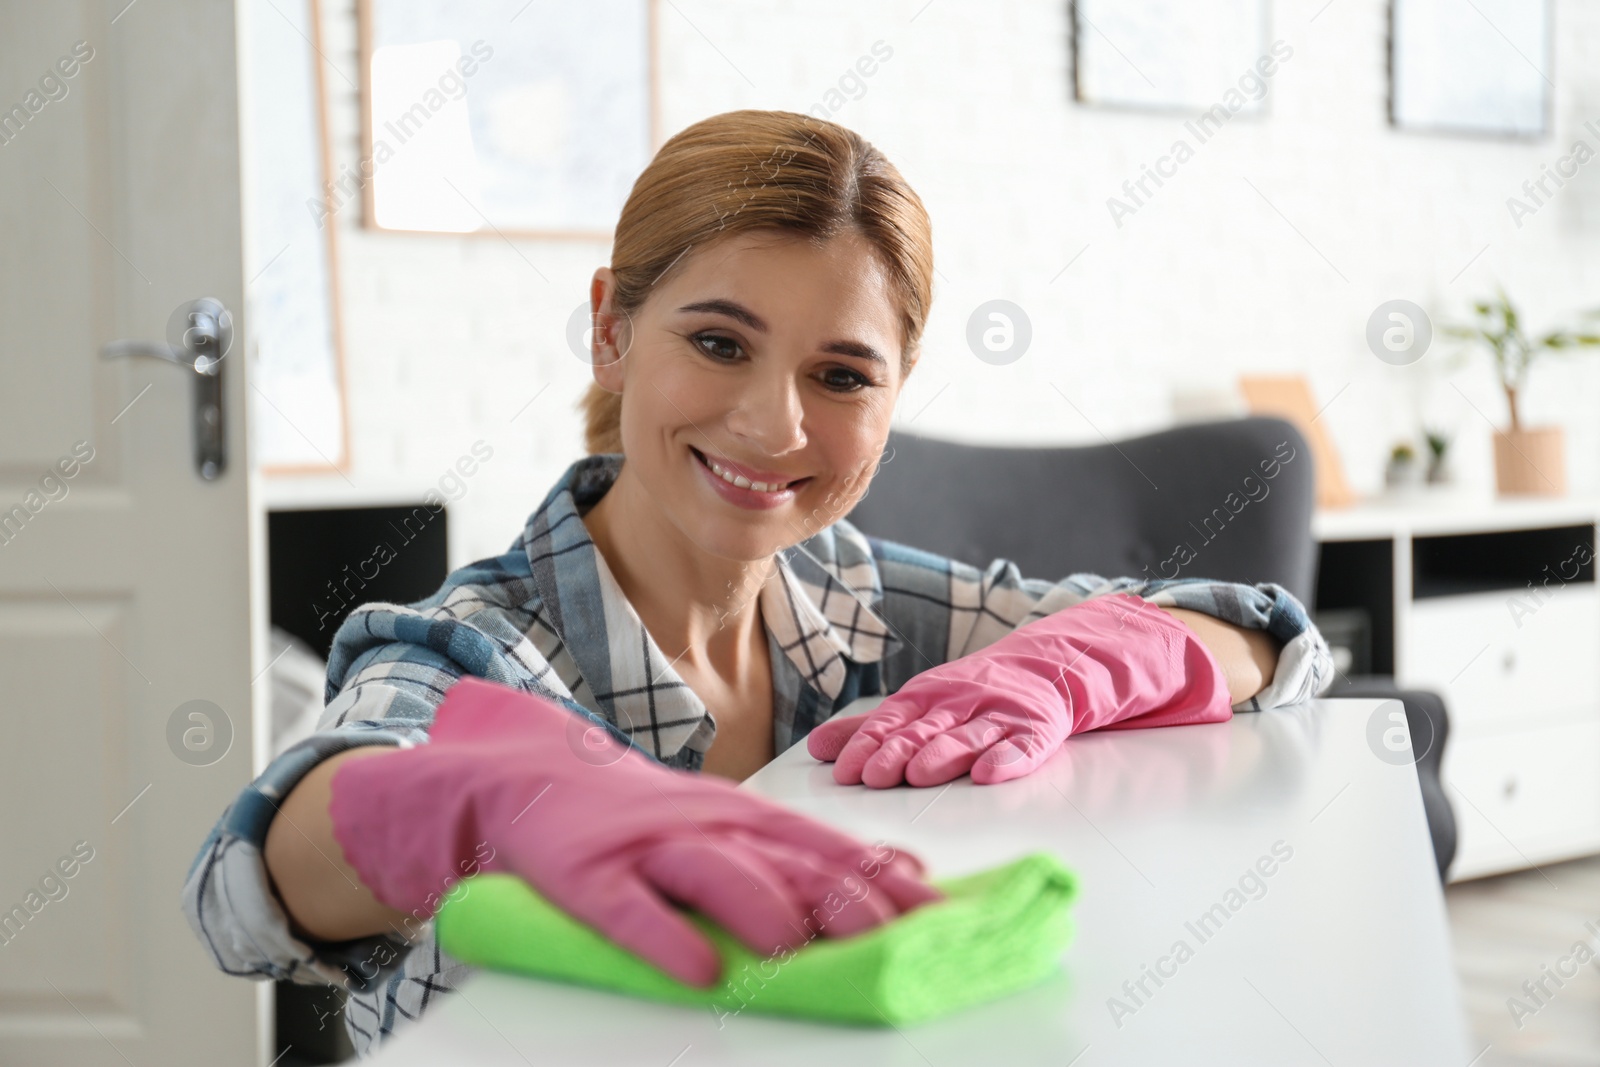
<point x="204" y="332"/>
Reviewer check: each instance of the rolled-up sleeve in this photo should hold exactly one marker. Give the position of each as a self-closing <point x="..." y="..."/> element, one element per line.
<point x="941" y="609"/>
<point x="228" y="896"/>
<point x="388" y="671"/>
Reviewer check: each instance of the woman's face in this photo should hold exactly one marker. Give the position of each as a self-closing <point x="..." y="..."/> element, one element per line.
<point x="767" y="359"/>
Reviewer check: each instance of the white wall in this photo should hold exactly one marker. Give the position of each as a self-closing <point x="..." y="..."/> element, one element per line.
<point x="448" y="337"/>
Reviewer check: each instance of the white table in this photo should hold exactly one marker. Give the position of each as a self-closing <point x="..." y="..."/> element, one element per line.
<point x="1342" y="960"/>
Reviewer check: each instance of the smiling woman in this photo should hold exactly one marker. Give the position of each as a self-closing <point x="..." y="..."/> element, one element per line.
<point x="769" y="284"/>
<point x="688" y="602"/>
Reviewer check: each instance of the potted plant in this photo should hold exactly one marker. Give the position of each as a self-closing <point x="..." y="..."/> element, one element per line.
<point x="1438" y="457"/>
<point x="1402" y="471"/>
<point x="1526" y="460"/>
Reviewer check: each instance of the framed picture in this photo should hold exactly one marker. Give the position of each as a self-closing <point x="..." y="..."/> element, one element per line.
<point x="1483" y="67"/>
<point x="298" y="421"/>
<point x="515" y="118"/>
<point x="1171" y="55"/>
<point x="1290" y="397"/>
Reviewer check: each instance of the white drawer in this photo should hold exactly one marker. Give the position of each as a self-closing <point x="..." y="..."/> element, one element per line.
<point x="1493" y="663"/>
<point x="1524" y="796"/>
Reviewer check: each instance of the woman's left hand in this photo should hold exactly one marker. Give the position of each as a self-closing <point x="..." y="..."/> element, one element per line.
<point x="1113" y="660"/>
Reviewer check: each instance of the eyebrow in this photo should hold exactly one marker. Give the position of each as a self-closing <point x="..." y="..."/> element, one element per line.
<point x="739" y="313"/>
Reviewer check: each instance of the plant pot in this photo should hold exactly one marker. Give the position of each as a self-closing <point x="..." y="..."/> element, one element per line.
<point x="1403" y="473"/>
<point x="1530" y="462"/>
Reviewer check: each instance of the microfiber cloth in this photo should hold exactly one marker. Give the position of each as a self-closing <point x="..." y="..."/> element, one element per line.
<point x="998" y="931"/>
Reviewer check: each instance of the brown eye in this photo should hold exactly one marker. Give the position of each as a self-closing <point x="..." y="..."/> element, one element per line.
<point x="845" y="380"/>
<point x="720" y="348"/>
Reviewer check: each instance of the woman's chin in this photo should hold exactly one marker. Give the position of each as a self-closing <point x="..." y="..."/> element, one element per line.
<point x="735" y="534"/>
<point x="747" y="544"/>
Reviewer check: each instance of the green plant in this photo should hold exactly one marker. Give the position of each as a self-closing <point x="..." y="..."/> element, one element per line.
<point x="1499" y="327"/>
<point x="1438" y="444"/>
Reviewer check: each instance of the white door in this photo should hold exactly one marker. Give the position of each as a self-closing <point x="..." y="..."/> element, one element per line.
<point x="125" y="576"/>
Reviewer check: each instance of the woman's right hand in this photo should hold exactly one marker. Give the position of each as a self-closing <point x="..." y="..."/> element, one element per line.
<point x="511" y="782"/>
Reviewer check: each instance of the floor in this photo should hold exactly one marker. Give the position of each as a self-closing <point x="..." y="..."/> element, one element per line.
<point x="1516" y="928"/>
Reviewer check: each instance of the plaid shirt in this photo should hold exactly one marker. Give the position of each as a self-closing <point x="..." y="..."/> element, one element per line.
<point x="846" y="616"/>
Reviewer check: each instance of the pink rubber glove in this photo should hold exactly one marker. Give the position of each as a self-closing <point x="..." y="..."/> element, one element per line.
<point x="513" y="782"/>
<point x="1112" y="661"/>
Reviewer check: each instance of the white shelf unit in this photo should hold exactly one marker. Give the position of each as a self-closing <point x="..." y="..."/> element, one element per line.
<point x="1519" y="667"/>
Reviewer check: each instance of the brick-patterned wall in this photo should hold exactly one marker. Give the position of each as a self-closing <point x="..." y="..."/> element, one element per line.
<point x="1266" y="252"/>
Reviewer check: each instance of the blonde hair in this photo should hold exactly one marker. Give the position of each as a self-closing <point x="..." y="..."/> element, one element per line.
<point x="749" y="170"/>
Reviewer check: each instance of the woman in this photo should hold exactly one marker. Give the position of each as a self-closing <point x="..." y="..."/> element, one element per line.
<point x="702" y="601"/>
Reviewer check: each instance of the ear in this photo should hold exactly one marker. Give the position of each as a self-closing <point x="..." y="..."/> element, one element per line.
<point x="609" y="332"/>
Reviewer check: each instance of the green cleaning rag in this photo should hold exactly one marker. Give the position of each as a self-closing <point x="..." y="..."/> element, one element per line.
<point x="998" y="931"/>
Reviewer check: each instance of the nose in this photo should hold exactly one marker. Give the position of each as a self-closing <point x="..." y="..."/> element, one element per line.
<point x="769" y="414"/>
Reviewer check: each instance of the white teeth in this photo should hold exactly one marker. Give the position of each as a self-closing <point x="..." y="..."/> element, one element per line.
<point x="740" y="480"/>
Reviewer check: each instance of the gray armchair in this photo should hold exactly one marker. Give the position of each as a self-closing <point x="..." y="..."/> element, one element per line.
<point x="1237" y="495"/>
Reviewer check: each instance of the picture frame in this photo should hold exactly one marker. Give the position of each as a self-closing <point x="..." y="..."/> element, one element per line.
<point x="1486" y="74"/>
<point x="1289" y="397"/>
<point x="540" y="142"/>
<point x="1179" y="56"/>
<point x="299" y="406"/>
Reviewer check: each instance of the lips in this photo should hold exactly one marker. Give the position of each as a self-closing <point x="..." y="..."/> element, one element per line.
<point x="751" y="479"/>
